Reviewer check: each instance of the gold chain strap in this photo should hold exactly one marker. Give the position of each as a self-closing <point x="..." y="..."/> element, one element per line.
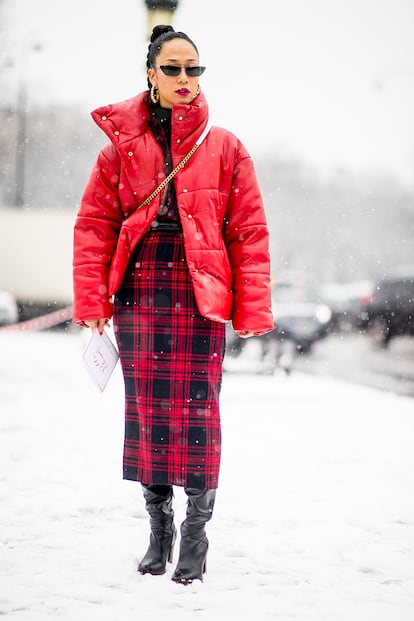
<point x="167" y="179"/>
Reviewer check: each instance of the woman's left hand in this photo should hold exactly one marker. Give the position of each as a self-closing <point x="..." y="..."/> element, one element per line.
<point x="244" y="334"/>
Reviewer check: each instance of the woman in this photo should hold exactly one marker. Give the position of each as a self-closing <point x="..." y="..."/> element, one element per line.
<point x="179" y="267"/>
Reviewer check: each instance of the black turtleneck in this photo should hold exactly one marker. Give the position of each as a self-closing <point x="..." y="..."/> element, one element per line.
<point x="163" y="116"/>
<point x="160" y="124"/>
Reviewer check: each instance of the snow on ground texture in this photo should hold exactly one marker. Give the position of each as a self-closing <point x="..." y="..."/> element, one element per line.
<point x="314" y="516"/>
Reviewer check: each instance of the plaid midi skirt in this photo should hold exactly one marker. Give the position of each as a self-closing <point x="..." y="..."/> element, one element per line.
<point x="172" y="361"/>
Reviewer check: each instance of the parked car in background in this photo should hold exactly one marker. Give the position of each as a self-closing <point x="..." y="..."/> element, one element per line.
<point x="390" y="310"/>
<point x="301" y="319"/>
<point x="9" y="312"/>
<point x="347" y="302"/>
<point x="300" y="315"/>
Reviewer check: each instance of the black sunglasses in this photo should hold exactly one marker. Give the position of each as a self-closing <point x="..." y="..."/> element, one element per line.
<point x="175" y="70"/>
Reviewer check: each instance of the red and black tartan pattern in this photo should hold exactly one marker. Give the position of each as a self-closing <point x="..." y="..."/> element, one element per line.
<point x="172" y="360"/>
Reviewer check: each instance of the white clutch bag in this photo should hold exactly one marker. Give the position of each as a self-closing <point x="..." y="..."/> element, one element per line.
<point x="100" y="356"/>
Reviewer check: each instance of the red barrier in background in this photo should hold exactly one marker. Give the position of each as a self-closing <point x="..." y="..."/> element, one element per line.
<point x="41" y="323"/>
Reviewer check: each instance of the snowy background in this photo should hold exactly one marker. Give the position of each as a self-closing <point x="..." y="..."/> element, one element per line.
<point x="314" y="516"/>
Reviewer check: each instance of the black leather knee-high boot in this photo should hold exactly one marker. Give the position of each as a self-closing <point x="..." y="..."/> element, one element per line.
<point x="194" y="543"/>
<point x="158" y="499"/>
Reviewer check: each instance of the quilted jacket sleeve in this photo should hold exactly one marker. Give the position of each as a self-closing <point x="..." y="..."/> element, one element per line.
<point x="247" y="240"/>
<point x="95" y="236"/>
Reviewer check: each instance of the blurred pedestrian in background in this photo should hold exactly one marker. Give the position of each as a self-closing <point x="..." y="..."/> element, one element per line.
<point x="180" y="263"/>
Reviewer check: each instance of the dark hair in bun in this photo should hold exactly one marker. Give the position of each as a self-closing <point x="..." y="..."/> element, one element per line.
<point x="159" y="36"/>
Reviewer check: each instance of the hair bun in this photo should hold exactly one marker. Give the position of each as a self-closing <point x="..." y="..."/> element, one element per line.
<point x="157" y="31"/>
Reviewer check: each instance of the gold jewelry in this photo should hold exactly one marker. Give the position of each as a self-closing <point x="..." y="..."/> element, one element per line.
<point x="198" y="91"/>
<point x="154" y="94"/>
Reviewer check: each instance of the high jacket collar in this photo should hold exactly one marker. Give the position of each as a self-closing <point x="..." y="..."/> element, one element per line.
<point x="126" y="120"/>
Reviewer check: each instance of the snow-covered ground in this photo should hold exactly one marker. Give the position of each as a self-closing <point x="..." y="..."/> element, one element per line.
<point x="314" y="516"/>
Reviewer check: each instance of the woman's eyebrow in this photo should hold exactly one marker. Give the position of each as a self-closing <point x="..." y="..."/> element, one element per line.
<point x="175" y="60"/>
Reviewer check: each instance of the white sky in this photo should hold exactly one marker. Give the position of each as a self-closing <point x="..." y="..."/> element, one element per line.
<point x="328" y="80"/>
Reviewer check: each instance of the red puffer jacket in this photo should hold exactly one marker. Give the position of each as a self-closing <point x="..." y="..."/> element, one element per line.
<point x="220" y="207"/>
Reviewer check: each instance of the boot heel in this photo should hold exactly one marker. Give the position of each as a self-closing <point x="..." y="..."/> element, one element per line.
<point x="171" y="553"/>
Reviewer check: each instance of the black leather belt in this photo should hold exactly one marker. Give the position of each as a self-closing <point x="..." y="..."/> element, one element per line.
<point x="166" y="226"/>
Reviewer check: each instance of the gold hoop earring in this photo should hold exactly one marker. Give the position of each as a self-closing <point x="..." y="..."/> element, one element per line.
<point x="198" y="91"/>
<point x="154" y="94"/>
